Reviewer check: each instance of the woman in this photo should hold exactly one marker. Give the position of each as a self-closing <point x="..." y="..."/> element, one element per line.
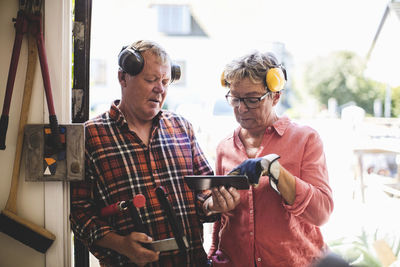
<point x="277" y="221"/>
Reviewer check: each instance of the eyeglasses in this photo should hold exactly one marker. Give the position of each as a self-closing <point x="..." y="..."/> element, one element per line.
<point x="250" y="102"/>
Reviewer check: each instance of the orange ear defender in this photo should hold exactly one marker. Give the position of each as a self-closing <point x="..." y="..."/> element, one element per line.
<point x="224" y="83"/>
<point x="275" y="79"/>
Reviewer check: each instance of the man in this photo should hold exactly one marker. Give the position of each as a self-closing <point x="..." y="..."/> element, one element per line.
<point x="277" y="221"/>
<point x="132" y="149"/>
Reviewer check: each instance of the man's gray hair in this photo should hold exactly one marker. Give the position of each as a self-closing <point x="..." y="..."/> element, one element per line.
<point x="153" y="47"/>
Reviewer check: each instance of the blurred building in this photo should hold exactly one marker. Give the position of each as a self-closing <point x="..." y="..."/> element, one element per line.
<point x="191" y="32"/>
<point x="384" y="55"/>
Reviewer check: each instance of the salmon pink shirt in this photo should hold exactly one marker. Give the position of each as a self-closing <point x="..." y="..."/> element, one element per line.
<point x="262" y="230"/>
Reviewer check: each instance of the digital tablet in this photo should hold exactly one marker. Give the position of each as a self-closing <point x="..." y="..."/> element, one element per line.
<point x="203" y="182"/>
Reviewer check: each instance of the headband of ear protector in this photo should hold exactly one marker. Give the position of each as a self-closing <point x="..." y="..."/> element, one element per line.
<point x="275" y="79"/>
<point x="131" y="61"/>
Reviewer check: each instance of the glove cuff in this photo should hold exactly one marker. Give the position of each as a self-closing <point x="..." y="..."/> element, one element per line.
<point x="267" y="161"/>
<point x="272" y="169"/>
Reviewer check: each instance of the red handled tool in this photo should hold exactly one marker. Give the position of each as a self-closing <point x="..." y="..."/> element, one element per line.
<point x="11" y="223"/>
<point x="132" y="205"/>
<point x="29" y="18"/>
<point x="137" y="202"/>
<point x="137" y="220"/>
<point x="173" y="219"/>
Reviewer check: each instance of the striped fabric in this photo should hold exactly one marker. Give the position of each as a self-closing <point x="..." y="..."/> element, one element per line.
<point x="119" y="166"/>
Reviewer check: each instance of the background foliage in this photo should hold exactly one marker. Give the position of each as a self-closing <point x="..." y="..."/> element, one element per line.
<point x="340" y="75"/>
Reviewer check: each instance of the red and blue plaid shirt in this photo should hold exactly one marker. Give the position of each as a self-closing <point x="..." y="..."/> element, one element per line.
<point x="119" y="166"/>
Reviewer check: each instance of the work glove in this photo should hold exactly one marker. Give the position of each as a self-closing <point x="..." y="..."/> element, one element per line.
<point x="255" y="168"/>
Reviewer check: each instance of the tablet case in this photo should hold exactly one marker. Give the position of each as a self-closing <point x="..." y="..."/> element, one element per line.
<point x="203" y="182"/>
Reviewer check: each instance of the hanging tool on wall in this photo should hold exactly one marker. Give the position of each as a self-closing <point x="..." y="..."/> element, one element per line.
<point x="52" y="152"/>
<point x="11" y="224"/>
<point x="29" y="18"/>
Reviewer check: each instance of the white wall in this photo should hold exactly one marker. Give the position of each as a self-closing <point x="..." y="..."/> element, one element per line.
<point x="44" y="204"/>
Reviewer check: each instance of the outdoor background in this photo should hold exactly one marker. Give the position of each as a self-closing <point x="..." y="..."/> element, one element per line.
<point x="342" y="60"/>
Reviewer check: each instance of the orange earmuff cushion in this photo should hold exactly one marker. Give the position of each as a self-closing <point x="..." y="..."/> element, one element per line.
<point x="223" y="81"/>
<point x="275" y="79"/>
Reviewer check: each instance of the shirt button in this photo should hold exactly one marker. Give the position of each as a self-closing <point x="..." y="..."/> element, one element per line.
<point x="251" y="211"/>
<point x="251" y="233"/>
<point x="259" y="259"/>
<point x="269" y="128"/>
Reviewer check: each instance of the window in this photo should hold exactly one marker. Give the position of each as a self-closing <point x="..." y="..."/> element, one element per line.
<point x="177" y="20"/>
<point x="173" y="19"/>
<point x="98" y="72"/>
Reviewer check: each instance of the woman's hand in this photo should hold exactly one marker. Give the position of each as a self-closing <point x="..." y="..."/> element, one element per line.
<point x="222" y="200"/>
<point x="255" y="168"/>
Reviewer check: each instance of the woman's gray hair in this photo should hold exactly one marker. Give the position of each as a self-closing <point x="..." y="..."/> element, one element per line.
<point x="157" y="50"/>
<point x="253" y="66"/>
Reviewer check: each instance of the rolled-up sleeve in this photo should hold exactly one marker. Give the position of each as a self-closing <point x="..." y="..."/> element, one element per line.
<point x="313" y="201"/>
<point x="86" y="223"/>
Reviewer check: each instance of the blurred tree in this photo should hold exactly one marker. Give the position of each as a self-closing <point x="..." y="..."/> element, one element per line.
<point x="340" y="75"/>
<point x="396" y="102"/>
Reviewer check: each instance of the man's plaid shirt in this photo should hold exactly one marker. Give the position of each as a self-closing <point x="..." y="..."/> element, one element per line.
<point x="119" y="166"/>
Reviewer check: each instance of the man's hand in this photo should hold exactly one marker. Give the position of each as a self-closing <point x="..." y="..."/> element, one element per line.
<point x="132" y="248"/>
<point x="254" y="168"/>
<point x="222" y="200"/>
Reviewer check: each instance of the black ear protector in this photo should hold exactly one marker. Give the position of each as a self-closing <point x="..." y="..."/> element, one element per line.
<point x="275" y="79"/>
<point x="131" y="61"/>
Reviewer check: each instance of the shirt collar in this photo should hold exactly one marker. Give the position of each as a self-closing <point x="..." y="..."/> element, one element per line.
<point x="116" y="114"/>
<point x="281" y="125"/>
